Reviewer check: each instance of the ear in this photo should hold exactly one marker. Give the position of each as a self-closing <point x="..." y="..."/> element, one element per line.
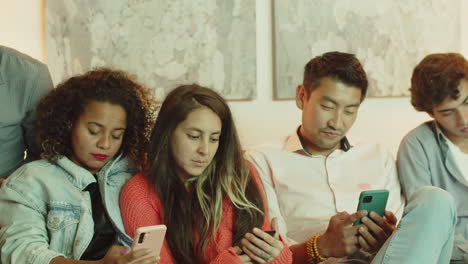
<point x="301" y="95"/>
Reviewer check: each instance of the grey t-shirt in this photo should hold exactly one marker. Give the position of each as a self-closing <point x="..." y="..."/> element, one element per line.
<point x="23" y="81"/>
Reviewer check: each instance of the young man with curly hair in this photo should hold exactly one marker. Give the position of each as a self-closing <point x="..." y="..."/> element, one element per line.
<point x="436" y="152"/>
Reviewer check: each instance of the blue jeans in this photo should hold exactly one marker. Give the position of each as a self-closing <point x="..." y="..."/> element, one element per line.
<point x="426" y="231"/>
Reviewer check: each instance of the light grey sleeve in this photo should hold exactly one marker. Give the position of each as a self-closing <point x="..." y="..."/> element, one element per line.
<point x="43" y="85"/>
<point x="413" y="165"/>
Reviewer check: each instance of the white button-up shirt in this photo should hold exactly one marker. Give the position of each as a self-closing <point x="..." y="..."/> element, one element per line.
<point x="304" y="191"/>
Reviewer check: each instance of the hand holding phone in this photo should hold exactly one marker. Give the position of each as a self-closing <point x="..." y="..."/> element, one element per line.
<point x="263" y="245"/>
<point x="151" y="237"/>
<point x="372" y="201"/>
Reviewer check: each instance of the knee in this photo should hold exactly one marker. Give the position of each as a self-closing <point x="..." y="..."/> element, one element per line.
<point x="435" y="200"/>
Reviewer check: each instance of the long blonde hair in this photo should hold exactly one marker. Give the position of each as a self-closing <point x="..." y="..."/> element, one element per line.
<point x="195" y="215"/>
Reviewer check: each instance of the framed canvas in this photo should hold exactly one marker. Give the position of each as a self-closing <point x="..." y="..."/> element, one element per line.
<point x="389" y="37"/>
<point x="165" y="43"/>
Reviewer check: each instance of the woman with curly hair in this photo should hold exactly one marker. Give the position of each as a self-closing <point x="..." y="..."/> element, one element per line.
<point x="198" y="184"/>
<point x="64" y="208"/>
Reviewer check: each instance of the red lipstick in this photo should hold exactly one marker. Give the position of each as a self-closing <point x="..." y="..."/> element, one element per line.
<point x="100" y="157"/>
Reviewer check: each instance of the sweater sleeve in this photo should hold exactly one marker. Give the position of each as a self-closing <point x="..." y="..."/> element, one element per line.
<point x="227" y="256"/>
<point x="139" y="207"/>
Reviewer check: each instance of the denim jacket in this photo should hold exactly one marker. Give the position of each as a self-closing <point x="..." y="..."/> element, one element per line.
<point x="45" y="211"/>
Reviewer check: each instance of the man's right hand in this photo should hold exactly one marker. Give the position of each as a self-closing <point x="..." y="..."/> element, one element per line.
<point x="123" y="255"/>
<point x="340" y="239"/>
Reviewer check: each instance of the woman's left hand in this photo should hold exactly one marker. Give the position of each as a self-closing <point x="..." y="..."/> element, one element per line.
<point x="262" y="247"/>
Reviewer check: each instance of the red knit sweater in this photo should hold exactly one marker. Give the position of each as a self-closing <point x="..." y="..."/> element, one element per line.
<point x="140" y="206"/>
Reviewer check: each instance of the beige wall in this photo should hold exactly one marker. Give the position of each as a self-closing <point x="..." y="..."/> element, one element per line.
<point x="21" y="26"/>
<point x="259" y="121"/>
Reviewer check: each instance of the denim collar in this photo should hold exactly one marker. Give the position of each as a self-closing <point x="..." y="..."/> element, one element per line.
<point x="81" y="177"/>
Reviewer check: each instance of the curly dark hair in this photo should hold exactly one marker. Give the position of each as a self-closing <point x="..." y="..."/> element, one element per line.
<point x="62" y="107"/>
<point x="435" y="78"/>
<point x="343" y="67"/>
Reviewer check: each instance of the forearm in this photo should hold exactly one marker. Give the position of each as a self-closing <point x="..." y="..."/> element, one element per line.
<point x="301" y="254"/>
<point x="62" y="260"/>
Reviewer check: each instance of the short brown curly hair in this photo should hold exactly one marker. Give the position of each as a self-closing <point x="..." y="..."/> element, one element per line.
<point x="435" y="78"/>
<point x="62" y="107"/>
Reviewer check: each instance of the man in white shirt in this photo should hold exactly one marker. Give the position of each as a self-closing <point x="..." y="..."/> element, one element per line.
<point x="436" y="152"/>
<point x="314" y="177"/>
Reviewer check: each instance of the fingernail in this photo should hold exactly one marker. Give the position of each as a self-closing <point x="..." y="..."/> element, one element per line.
<point x="256" y="229"/>
<point x="362" y="229"/>
<point x="365" y="219"/>
<point x="372" y="214"/>
<point x="127" y="251"/>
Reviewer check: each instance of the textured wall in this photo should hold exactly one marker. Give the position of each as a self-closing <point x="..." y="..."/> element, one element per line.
<point x="388" y="36"/>
<point x="166" y="43"/>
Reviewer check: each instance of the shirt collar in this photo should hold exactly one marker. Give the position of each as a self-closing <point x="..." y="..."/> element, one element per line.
<point x="440" y="136"/>
<point x="293" y="144"/>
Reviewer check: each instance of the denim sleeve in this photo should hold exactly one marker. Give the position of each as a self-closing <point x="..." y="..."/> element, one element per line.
<point x="413" y="166"/>
<point x="23" y="232"/>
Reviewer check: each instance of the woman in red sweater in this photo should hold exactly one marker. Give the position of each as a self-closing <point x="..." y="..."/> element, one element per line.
<point x="196" y="182"/>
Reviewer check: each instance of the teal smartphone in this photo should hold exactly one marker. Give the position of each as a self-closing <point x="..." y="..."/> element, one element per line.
<point x="372" y="201"/>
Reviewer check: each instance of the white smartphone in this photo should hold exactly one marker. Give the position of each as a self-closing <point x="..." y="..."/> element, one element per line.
<point x="151" y="237"/>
